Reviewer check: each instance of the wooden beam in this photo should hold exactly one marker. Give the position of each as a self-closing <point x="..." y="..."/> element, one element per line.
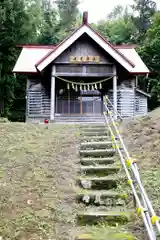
<point x="115" y="91"/>
<point x="85" y="74"/>
<point x="52" y="111"/>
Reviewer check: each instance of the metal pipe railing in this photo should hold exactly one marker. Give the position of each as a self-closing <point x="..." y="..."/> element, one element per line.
<point x="144" y="205"/>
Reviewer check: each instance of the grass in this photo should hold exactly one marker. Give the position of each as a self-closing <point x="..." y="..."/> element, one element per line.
<point x="142" y="137"/>
<point x="38" y="168"/>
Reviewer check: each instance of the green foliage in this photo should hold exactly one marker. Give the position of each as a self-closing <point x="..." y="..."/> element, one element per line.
<point x="22" y="22"/>
<point x="49" y="25"/>
<point x="151" y="55"/>
<point x="18" y="25"/>
<point x="117" y="31"/>
<point x="49" y="22"/>
<point x="144" y="10"/>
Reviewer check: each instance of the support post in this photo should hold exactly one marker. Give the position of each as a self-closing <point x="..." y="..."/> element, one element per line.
<point x="52" y="109"/>
<point x="115" y="91"/>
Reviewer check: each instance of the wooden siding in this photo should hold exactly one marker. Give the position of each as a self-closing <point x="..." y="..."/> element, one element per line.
<point x="84" y="70"/>
<point x="84" y="46"/>
<point x="130" y="103"/>
<point x="141" y="105"/>
<point x="125" y="102"/>
<point x="38" y="101"/>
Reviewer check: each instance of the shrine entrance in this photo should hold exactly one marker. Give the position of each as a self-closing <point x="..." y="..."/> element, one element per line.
<point x="79" y="103"/>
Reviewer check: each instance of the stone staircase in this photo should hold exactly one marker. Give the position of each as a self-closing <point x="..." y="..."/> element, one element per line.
<point x="98" y="184"/>
<point x="80" y="119"/>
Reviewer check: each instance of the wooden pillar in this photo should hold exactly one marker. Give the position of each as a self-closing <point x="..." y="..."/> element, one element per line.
<point x="52" y="110"/>
<point x="115" y="91"/>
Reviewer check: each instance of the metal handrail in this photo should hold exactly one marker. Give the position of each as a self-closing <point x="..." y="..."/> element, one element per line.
<point x="148" y="214"/>
<point x="106" y="99"/>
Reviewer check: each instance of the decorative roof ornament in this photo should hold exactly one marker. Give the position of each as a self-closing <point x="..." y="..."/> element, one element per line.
<point x="85" y="18"/>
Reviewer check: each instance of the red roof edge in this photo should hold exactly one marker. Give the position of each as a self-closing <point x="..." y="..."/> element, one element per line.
<point x="26" y="73"/>
<point x="124" y="46"/>
<point x="139" y="73"/>
<point x="112" y="46"/>
<point x="36" y="46"/>
<point x="48" y="54"/>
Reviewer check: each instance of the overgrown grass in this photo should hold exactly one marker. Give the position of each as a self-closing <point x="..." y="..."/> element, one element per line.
<point x="38" y="168"/>
<point x="142" y="137"/>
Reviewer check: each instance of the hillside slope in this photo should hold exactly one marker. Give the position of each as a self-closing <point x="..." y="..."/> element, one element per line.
<point x="37" y="170"/>
<point x="142" y="137"/>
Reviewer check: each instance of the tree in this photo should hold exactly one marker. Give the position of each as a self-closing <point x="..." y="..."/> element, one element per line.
<point x="49" y="25"/>
<point x="143" y="11"/>
<point x="118" y="28"/>
<point x="116" y="13"/>
<point x="18" y="25"/>
<point x="69" y="14"/>
<point x="151" y="55"/>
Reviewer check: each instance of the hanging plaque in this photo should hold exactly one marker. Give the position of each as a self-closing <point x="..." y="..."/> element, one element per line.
<point x="82" y="59"/>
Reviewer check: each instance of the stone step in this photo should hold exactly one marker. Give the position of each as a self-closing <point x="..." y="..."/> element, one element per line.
<point x="99" y="183"/>
<point x="100" y="170"/>
<point x="94" y="133"/>
<point x="101" y="197"/>
<point x="97" y="161"/>
<point x="85" y="236"/>
<point x="95" y="125"/>
<point x="95" y="138"/>
<point x="112" y="234"/>
<point x="97" y="152"/>
<point x="93" y="145"/>
<point x="95" y="129"/>
<point x="112" y="217"/>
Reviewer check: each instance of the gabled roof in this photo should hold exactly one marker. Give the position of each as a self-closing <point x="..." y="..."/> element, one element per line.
<point x="85" y="28"/>
<point x="34" y="58"/>
<point x="29" y="57"/>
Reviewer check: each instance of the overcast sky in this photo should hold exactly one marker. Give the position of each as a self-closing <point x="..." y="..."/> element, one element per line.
<point x="98" y="9"/>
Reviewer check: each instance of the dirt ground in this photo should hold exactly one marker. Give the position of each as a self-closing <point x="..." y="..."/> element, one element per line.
<point x="38" y="168"/>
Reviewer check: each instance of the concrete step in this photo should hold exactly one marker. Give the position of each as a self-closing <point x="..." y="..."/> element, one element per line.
<point x="112" y="234"/>
<point x="101" y="197"/>
<point x="100" y="170"/>
<point x="98" y="183"/>
<point x="85" y="236"/>
<point x="93" y="145"/>
<point x="95" y="138"/>
<point x="96" y="161"/>
<point x="95" y="125"/>
<point x="97" y="153"/>
<point x="94" y="133"/>
<point x="81" y="120"/>
<point x="95" y="129"/>
<point x="112" y="217"/>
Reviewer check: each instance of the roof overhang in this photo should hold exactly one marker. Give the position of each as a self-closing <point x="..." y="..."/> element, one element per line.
<point x="34" y="58"/>
<point x="143" y="93"/>
<point x="119" y="57"/>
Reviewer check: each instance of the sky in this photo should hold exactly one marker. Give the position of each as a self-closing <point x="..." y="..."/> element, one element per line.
<point x="98" y="9"/>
